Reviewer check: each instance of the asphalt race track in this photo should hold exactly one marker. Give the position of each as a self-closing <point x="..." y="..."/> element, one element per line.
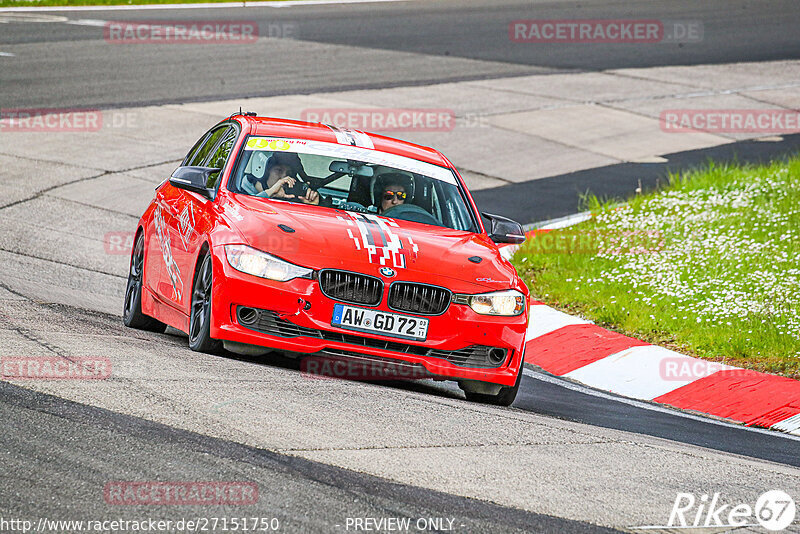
<point x="364" y="46"/>
<point x="323" y="452"/>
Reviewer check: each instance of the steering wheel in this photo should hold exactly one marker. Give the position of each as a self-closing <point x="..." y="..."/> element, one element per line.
<point x="411" y="212"/>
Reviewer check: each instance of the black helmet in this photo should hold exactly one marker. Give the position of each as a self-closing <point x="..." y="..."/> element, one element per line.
<point x="291" y="160"/>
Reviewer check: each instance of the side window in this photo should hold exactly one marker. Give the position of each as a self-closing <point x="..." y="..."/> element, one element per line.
<point x="220" y="156"/>
<point x="194" y="150"/>
<point x="199" y="155"/>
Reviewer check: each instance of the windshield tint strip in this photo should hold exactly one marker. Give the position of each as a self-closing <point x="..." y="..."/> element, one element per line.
<point x="351" y="152"/>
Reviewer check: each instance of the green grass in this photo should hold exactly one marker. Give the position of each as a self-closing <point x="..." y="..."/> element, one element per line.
<point x="708" y="266"/>
<point x="51" y="3"/>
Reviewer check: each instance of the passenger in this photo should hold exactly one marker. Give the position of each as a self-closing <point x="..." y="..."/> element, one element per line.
<point x="253" y="182"/>
<point x="282" y="169"/>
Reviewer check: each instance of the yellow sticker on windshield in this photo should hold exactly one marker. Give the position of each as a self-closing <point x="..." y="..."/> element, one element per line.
<point x="260" y="143"/>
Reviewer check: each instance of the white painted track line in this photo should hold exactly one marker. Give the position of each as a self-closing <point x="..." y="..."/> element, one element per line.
<point x="225" y="5"/>
<point x="88" y="22"/>
<point x="563" y="222"/>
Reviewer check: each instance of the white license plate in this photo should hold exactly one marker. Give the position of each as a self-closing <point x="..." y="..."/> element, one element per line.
<point x="378" y="322"/>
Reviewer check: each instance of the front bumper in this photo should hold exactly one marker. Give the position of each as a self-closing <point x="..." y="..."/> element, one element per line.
<point x="304" y="314"/>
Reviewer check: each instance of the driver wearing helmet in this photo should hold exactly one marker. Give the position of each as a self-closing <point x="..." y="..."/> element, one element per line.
<point x="393" y="195"/>
<point x="393" y="191"/>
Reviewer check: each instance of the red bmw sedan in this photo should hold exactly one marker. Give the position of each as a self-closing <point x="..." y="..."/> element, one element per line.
<point x="316" y="240"/>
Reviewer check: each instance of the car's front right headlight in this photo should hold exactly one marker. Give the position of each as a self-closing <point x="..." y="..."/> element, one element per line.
<point x="252" y="261"/>
<point x="508" y="303"/>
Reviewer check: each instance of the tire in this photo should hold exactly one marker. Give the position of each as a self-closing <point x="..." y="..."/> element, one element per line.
<point x="200" y="313"/>
<point x="505" y="397"/>
<point x="132" y="315"/>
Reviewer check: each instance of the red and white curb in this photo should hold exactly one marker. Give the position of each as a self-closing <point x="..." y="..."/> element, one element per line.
<point x="579" y="350"/>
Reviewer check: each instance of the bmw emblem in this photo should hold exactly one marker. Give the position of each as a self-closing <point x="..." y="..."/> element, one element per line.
<point x="387" y="272"/>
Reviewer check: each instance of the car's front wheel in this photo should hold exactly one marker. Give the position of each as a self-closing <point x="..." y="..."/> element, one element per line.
<point x="200" y="318"/>
<point x="504" y="397"/>
<point x="132" y="315"/>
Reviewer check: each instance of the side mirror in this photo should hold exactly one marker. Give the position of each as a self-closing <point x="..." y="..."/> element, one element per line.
<point x="193" y="179"/>
<point x="505" y="230"/>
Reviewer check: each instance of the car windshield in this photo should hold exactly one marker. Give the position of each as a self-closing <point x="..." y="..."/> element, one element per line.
<point x="352" y="178"/>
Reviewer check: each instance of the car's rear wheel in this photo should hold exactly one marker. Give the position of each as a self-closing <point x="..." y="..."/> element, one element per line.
<point x="132" y="315"/>
<point x="504" y="397"/>
<point x="200" y="318"/>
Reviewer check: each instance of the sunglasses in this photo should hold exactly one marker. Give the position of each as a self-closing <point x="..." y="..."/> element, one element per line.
<point x="389" y="195"/>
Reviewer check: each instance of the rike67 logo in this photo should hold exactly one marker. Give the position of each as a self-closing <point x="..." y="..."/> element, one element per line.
<point x="774" y="510"/>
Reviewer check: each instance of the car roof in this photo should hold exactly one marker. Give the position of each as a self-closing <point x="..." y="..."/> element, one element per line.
<point x="274" y="127"/>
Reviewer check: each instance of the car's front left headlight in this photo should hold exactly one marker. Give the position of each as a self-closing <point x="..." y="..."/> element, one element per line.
<point x="252" y="261"/>
<point x="509" y="303"/>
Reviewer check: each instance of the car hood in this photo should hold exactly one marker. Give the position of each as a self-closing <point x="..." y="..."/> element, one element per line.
<point x="321" y="238"/>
